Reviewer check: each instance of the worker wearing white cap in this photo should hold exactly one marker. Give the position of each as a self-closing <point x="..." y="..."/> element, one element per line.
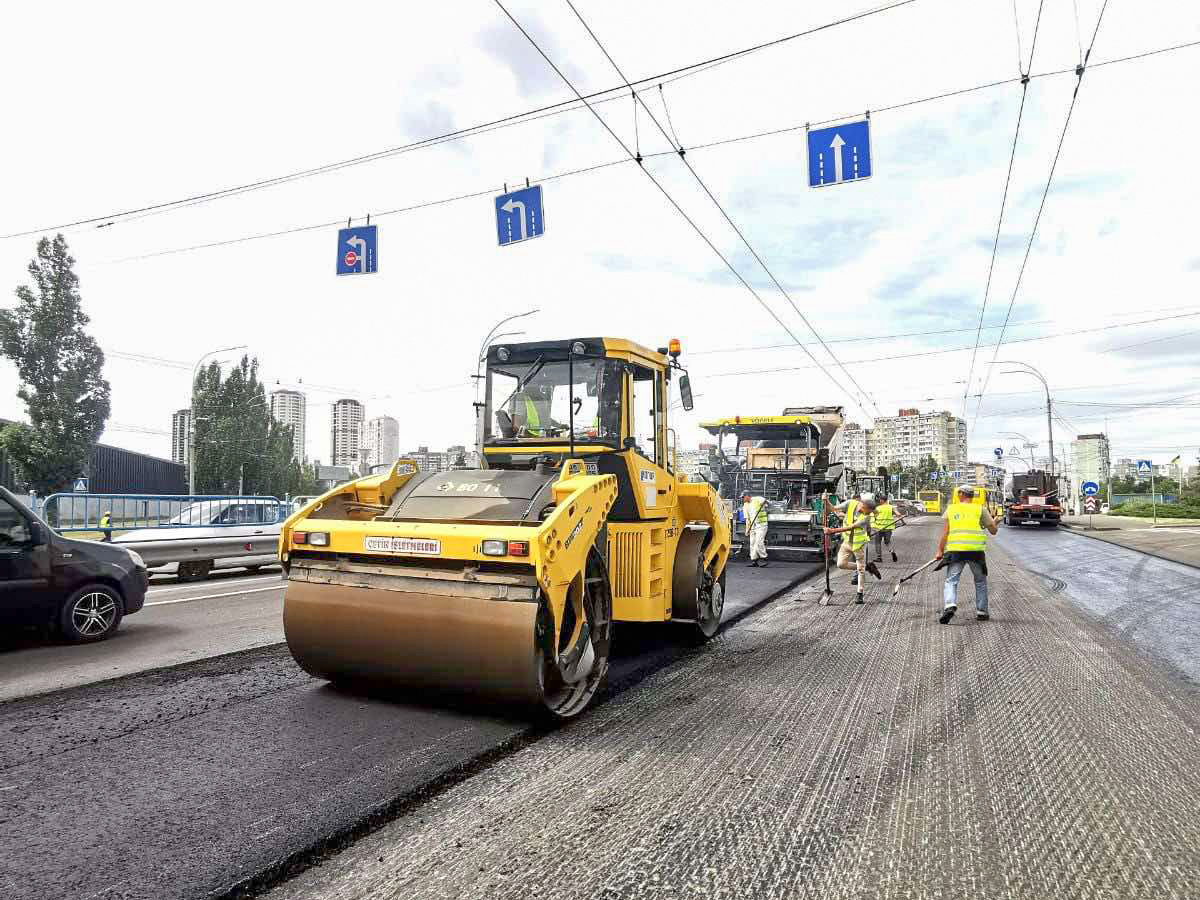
<point x="754" y="512"/>
<point x="852" y="554"/>
<point x="964" y="540"/>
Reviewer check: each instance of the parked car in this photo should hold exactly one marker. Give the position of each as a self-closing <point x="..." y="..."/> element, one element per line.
<point x="212" y="534"/>
<point x="82" y="589"/>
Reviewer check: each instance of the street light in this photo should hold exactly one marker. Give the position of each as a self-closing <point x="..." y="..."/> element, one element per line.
<point x="1030" y="370"/>
<point x="192" y="415"/>
<point x="1029" y="445"/>
<point x="479" y="357"/>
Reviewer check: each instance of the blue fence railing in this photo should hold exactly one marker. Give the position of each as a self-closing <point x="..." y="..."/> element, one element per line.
<point x="127" y="512"/>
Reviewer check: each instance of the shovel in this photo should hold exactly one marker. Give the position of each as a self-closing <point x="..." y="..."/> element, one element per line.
<point x="828" y="592"/>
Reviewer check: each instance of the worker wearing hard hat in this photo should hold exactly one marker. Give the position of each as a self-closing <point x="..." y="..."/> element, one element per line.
<point x="754" y="514"/>
<point x="883" y="523"/>
<point x="106" y="525"/>
<point x="853" y="551"/>
<point x="963" y="543"/>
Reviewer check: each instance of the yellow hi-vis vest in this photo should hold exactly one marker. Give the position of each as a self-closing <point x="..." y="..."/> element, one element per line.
<point x="858" y="536"/>
<point x="755" y="512"/>
<point x="105" y="520"/>
<point x="533" y="422"/>
<point x="884" y="519"/>
<point x="966" y="534"/>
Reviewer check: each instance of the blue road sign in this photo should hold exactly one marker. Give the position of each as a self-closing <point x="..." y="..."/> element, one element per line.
<point x="519" y="215"/>
<point x="81" y="484"/>
<point x="1145" y="467"/>
<point x="357" y="250"/>
<point x="841" y="153"/>
<point x="1090" y="488"/>
<point x="933" y="476"/>
<point x="999" y="451"/>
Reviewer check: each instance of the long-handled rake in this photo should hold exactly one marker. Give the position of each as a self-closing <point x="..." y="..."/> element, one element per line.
<point x="828" y="592"/>
<point x="914" y="574"/>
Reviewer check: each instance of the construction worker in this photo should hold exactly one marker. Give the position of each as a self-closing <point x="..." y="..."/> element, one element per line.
<point x="883" y="523"/>
<point x="852" y="553"/>
<point x="106" y="525"/>
<point x="963" y="543"/>
<point x="529" y="408"/>
<point x="754" y="513"/>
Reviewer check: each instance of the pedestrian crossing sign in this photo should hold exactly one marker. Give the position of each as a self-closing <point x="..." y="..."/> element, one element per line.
<point x="81" y="484"/>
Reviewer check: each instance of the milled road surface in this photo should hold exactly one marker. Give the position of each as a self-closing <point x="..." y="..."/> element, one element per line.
<point x="180" y="623"/>
<point x="188" y="781"/>
<point x="836" y="751"/>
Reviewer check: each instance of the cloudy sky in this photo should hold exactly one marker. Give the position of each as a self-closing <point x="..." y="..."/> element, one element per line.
<point x="127" y="105"/>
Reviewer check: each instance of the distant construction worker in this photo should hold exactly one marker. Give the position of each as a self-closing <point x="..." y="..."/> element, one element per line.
<point x="853" y="551"/>
<point x="964" y="542"/>
<point x="884" y="523"/>
<point x="106" y="525"/>
<point x="754" y="513"/>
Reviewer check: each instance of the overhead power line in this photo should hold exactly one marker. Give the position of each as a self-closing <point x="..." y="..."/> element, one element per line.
<point x="679" y="209"/>
<point x="457" y="134"/>
<point x="863" y="394"/>
<point x="722" y="142"/>
<point x="1041" y="206"/>
<point x="1012" y="156"/>
<point x="941" y="351"/>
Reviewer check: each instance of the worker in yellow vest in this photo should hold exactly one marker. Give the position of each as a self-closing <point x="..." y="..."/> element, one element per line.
<point x="754" y="512"/>
<point x="963" y="543"/>
<point x="883" y="523"/>
<point x="529" y="409"/>
<point x="106" y="525"/>
<point x="852" y="554"/>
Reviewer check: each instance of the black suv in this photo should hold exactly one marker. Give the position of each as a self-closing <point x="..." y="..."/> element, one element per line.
<point x="80" y="588"/>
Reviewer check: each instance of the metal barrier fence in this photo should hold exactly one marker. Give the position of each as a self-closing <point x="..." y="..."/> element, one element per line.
<point x="128" y="512"/>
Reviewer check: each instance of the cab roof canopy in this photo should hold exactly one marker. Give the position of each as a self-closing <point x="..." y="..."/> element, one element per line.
<point x="554" y="351"/>
<point x="800" y="429"/>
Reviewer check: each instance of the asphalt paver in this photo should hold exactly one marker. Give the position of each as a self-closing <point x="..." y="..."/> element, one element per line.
<point x="191" y="781"/>
<point x="836" y="751"/>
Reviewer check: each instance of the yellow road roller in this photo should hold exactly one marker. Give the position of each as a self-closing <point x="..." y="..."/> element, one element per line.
<point x="503" y="582"/>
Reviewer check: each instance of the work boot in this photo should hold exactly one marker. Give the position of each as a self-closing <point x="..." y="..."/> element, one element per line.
<point x="763" y="563"/>
<point x="858" y="598"/>
<point x="948" y="614"/>
<point x="874" y="570"/>
<point x="754" y="563"/>
<point x="895" y="558"/>
<point x="982" y="616"/>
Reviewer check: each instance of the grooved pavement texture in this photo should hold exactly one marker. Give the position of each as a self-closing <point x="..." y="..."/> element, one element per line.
<point x="839" y="751"/>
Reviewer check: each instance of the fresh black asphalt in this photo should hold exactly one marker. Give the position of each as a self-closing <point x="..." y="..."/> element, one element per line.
<point x="189" y="781"/>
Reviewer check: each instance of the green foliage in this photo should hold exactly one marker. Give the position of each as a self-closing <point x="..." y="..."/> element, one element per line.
<point x="919" y="477"/>
<point x="1188" y="508"/>
<point x="238" y="445"/>
<point x="60" y="366"/>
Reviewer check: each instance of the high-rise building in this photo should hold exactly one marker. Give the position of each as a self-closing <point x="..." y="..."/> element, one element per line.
<point x="912" y="436"/>
<point x="856" y="450"/>
<point x="289" y="408"/>
<point x="381" y="441"/>
<point x="346" y="434"/>
<point x="1091" y="458"/>
<point x="430" y="460"/>
<point x="181" y="437"/>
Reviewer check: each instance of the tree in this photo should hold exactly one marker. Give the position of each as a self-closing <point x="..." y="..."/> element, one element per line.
<point x="60" y="366"/>
<point x="239" y="447"/>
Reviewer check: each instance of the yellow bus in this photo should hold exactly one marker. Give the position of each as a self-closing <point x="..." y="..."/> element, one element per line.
<point x="931" y="500"/>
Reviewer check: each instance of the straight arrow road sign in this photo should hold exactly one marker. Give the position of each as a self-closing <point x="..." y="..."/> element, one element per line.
<point x="839" y="153"/>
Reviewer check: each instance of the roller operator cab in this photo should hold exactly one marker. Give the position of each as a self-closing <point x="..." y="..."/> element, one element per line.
<point x="503" y="582"/>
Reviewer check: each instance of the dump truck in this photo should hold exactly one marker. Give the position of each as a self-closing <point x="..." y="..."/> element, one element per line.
<point x="785" y="464"/>
<point x="1033" y="500"/>
<point x="503" y="582"/>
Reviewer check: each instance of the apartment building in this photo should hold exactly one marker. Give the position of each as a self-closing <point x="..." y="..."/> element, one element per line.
<point x="289" y="407"/>
<point x="345" y="438"/>
<point x="911" y="436"/>
<point x="181" y="437"/>
<point x="1091" y="459"/>
<point x="381" y="441"/>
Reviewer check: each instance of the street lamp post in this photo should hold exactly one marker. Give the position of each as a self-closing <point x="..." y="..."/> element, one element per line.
<point x="192" y="415"/>
<point x="1030" y="370"/>
<point x="491" y="335"/>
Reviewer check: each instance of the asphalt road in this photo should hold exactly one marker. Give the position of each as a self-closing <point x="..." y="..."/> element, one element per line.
<point x="1176" y="542"/>
<point x="187" y="781"/>
<point x="1151" y="602"/>
<point x="837" y="751"/>
<point x="180" y="623"/>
